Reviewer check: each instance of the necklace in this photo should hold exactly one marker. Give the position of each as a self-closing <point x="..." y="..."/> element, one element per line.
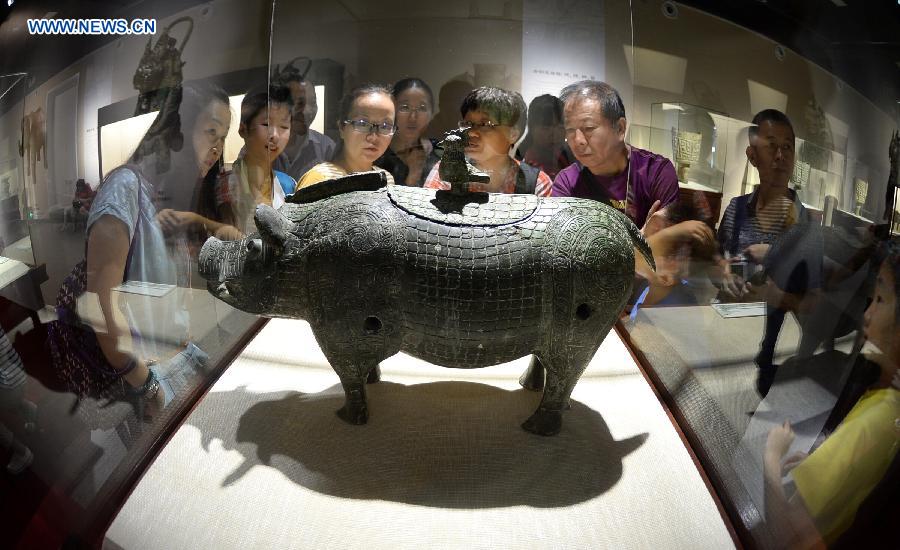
<point x="629" y="192"/>
<point x="626" y="204"/>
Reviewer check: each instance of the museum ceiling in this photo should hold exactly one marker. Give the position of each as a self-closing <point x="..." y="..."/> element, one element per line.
<point x="857" y="40"/>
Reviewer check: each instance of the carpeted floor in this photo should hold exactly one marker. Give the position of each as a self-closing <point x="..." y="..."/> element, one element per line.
<point x="263" y="462"/>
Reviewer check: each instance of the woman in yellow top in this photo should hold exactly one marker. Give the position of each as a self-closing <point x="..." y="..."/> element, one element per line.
<point x="367" y="125"/>
<point x="834" y="480"/>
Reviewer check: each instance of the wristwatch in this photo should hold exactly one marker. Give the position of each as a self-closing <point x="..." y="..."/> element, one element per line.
<point x="148" y="389"/>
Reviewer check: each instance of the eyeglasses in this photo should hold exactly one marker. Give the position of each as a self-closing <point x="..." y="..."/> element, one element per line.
<point x="406" y="109"/>
<point x="485" y="125"/>
<point x="366" y="127"/>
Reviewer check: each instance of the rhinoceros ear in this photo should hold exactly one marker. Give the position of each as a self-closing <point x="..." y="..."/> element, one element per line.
<point x="273" y="227"/>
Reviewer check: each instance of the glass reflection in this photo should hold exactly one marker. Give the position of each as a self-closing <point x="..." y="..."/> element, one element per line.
<point x="760" y="182"/>
<point x="828" y="484"/>
<point x="544" y="145"/>
<point x="141" y="229"/>
<point x="15" y="405"/>
<point x="306" y="147"/>
<point x="266" y="129"/>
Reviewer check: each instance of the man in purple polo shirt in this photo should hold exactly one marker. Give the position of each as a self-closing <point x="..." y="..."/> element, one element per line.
<point x="609" y="170"/>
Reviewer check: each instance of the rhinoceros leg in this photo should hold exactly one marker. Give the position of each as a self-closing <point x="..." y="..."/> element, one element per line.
<point x="355" y="360"/>
<point x="533" y="377"/>
<point x="354" y="376"/>
<point x="374" y="375"/>
<point x="562" y="375"/>
<point x="564" y="369"/>
<point x="355" y="410"/>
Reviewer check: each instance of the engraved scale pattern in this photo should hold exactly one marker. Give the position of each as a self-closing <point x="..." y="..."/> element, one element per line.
<point x="460" y="209"/>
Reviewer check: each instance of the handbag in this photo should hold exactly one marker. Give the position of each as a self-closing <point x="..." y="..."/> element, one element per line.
<point x="77" y="357"/>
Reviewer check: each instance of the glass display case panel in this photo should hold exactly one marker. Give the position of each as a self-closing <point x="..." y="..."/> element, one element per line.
<point x="20" y="153"/>
<point x="124" y="132"/>
<point x="862" y="196"/>
<point x="895" y="225"/>
<point x="803" y="197"/>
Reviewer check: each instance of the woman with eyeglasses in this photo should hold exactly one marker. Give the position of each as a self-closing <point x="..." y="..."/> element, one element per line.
<point x="367" y="125"/>
<point x="495" y="119"/>
<point x="410" y="156"/>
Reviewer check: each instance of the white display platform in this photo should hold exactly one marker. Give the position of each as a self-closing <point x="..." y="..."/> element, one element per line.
<point x="263" y="462"/>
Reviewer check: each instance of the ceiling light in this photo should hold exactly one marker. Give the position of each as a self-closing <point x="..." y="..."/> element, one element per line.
<point x="9" y="3"/>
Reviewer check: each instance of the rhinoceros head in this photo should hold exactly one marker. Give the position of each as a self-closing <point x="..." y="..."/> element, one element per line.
<point x="240" y="273"/>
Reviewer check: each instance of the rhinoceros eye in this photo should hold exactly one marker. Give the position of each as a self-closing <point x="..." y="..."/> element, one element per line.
<point x="254" y="248"/>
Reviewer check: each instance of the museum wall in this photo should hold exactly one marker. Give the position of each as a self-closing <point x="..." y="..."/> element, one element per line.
<point x="10" y="130"/>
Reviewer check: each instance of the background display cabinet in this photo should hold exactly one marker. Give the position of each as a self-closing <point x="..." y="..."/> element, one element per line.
<point x="689" y="135"/>
<point x="817" y="173"/>
<point x="695" y="140"/>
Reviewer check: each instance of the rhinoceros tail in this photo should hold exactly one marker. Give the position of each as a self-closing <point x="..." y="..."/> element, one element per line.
<point x="640" y="243"/>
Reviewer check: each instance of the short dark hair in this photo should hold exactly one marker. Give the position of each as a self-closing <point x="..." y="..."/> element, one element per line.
<point x="259" y="98"/>
<point x="507" y="107"/>
<point x="773" y="116"/>
<point x="346" y="104"/>
<point x="410" y="83"/>
<point x="610" y="101"/>
<point x="544" y="110"/>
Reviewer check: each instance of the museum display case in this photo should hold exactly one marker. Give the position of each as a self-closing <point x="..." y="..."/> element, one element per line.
<point x="148" y="400"/>
<point x="689" y="135"/>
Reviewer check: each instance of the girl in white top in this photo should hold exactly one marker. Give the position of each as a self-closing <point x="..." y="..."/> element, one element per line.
<point x="266" y="129"/>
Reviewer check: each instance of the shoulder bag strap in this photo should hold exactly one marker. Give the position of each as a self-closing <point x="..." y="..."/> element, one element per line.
<point x="526" y="179"/>
<point x="740" y="217"/>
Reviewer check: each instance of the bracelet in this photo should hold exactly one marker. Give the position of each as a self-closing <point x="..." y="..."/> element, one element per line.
<point x="148" y="389"/>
